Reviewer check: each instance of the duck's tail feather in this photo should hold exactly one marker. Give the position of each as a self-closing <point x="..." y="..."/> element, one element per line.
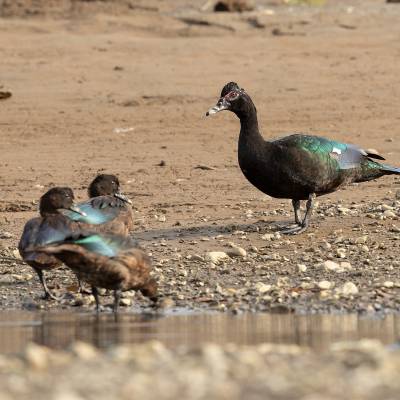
<point x="389" y="170"/>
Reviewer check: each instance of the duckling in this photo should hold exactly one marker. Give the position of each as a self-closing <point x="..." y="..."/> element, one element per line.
<point x="107" y="261"/>
<point x="50" y="226"/>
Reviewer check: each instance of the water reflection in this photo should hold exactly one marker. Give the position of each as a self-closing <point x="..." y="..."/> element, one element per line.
<point x="59" y="329"/>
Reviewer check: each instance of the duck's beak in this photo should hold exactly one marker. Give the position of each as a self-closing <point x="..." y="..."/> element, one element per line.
<point x="222" y="105"/>
<point x="76" y="209"/>
<point x="122" y="197"/>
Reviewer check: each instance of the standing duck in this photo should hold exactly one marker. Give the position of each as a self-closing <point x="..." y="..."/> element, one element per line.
<point x="50" y="226"/>
<point x="106" y="261"/>
<point x="297" y="167"/>
<point x="107" y="208"/>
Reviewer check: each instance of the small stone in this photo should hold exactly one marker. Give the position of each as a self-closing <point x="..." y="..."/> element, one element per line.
<point x="325" y="285"/>
<point x="389" y="214"/>
<point x="345" y="266"/>
<point x="348" y="289"/>
<point x="83" y="350"/>
<point x="162" y="218"/>
<point x="126" y="302"/>
<point x="6" y="235"/>
<point x="16" y="254"/>
<point x="331" y="266"/>
<point x="196" y="257"/>
<point x="365" y="248"/>
<point x="326" y="245"/>
<point x="37" y="356"/>
<point x="262" y="287"/>
<point x="388" y="284"/>
<point x="166" y="302"/>
<point x="361" y="240"/>
<point x="237" y="251"/>
<point x="268" y="236"/>
<point x="217" y="256"/>
<point x="301" y="267"/>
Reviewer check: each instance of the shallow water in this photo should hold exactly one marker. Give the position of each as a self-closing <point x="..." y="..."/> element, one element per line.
<point x="59" y="329"/>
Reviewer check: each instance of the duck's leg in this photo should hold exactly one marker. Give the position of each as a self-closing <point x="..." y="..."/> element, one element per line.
<point x="81" y="289"/>
<point x="296" y="208"/>
<point x="95" y="294"/>
<point x="47" y="293"/>
<point x="117" y="298"/>
<point x="297" y="217"/>
<point x="306" y="221"/>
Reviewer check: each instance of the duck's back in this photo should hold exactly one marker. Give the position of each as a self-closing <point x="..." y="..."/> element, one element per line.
<point x="41" y="231"/>
<point x="104" y="214"/>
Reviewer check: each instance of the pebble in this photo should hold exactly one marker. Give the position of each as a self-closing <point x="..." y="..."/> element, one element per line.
<point x="271" y="236"/>
<point x="388" y="284"/>
<point x="6" y="235"/>
<point x="325" y="285"/>
<point x="389" y="214"/>
<point x="126" y="302"/>
<point x="217" y="256"/>
<point x="83" y="350"/>
<point x="195" y="257"/>
<point x="348" y="289"/>
<point x="37" y="356"/>
<point x="361" y="240"/>
<point x="237" y="251"/>
<point x="262" y="287"/>
<point x="166" y="302"/>
<point x="16" y="254"/>
<point x="335" y="267"/>
<point x="301" y="267"/>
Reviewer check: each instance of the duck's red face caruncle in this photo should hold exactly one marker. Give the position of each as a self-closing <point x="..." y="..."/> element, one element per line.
<point x="226" y="102"/>
<point x="230" y="99"/>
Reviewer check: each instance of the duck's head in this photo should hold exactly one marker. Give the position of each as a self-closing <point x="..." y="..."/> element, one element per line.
<point x="234" y="99"/>
<point x="56" y="199"/>
<point x="106" y="185"/>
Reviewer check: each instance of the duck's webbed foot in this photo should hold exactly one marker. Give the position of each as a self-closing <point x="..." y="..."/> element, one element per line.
<point x="300" y="226"/>
<point x="47" y="293"/>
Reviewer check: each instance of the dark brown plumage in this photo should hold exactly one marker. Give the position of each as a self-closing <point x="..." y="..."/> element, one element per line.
<point x="50" y="226"/>
<point x="107" y="261"/>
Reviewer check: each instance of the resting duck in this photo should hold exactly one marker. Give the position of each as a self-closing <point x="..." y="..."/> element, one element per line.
<point x="50" y="226"/>
<point x="297" y="167"/>
<point x="106" y="261"/>
<point x="107" y="208"/>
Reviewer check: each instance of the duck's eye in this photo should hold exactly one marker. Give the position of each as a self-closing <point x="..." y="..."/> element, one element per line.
<point x="232" y="95"/>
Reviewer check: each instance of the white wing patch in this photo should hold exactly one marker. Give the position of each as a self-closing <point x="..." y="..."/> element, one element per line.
<point x="336" y="150"/>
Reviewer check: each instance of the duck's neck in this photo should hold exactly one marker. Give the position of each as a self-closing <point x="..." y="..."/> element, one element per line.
<point x="249" y="131"/>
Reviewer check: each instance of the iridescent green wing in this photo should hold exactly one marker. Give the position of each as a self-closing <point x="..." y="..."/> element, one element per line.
<point x="106" y="245"/>
<point x="98" y="210"/>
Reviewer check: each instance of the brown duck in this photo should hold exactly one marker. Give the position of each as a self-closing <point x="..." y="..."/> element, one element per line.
<point x="108" y="208"/>
<point x="106" y="261"/>
<point x="50" y="226"/>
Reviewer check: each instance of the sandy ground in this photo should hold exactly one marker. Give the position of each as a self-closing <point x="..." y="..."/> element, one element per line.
<point x="124" y="90"/>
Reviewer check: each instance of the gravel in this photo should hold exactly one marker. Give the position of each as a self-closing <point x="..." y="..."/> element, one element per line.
<point x="362" y="370"/>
